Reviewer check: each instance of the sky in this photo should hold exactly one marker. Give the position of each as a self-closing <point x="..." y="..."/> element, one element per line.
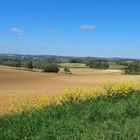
<point x="99" y="28"/>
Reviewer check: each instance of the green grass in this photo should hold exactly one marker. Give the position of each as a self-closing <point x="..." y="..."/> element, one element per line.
<point x="73" y="65"/>
<point x="113" y="65"/>
<point x="101" y="118"/>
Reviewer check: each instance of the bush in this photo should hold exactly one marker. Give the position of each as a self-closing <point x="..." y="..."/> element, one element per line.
<point x="51" y="68"/>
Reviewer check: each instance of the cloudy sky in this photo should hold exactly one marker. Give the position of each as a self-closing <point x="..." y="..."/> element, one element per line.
<point x="105" y="28"/>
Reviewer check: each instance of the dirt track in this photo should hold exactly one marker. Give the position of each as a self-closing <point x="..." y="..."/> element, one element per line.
<point x="18" y="82"/>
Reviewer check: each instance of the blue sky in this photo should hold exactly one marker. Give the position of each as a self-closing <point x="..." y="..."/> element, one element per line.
<point x="104" y="28"/>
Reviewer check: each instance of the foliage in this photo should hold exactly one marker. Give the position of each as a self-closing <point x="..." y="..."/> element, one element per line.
<point x="119" y="89"/>
<point x="51" y="68"/>
<point x="27" y="103"/>
<point x="67" y="70"/>
<point x="97" y="64"/>
<point x="133" y="68"/>
<point x="90" y="118"/>
<point x="114" y="65"/>
<point x="76" y="60"/>
<point x="18" y="64"/>
<point x="124" y="63"/>
<point x="30" y="65"/>
<point x="38" y="62"/>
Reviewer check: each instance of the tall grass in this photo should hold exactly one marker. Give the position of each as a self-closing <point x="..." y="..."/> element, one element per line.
<point x="103" y="117"/>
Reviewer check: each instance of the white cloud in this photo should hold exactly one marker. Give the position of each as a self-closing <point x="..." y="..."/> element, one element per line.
<point x="50" y="30"/>
<point x="17" y="31"/>
<point x="87" y="27"/>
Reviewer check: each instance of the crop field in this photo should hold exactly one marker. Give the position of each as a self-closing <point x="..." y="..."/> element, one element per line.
<point x="87" y="104"/>
<point x="20" y="82"/>
<point x="111" y="114"/>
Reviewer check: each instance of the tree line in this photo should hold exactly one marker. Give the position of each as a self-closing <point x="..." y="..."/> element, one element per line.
<point x="98" y="64"/>
<point x="133" y="68"/>
<point x="30" y="64"/>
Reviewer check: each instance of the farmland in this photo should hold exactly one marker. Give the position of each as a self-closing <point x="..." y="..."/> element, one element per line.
<point x="69" y="70"/>
<point x="96" y="94"/>
<point x="32" y="103"/>
<point x="113" y="115"/>
<point x="15" y="82"/>
<point x="73" y="65"/>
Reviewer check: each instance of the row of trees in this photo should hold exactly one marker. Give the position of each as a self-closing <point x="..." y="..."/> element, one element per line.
<point x="29" y="65"/>
<point x="98" y="64"/>
<point x="15" y="61"/>
<point x="133" y="68"/>
<point x="51" y="67"/>
<point x="47" y="68"/>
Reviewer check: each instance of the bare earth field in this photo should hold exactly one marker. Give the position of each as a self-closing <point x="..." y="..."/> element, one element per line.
<point x="18" y="82"/>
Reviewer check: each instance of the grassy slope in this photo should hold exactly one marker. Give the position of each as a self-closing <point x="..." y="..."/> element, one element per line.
<point x="100" y="118"/>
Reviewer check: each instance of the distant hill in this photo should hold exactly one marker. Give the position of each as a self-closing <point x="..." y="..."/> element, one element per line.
<point x="64" y="58"/>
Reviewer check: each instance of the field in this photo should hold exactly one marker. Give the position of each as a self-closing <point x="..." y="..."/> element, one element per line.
<point x="73" y="65"/>
<point x="19" y="82"/>
<point x="115" y="117"/>
<point x="113" y="65"/>
<point x="79" y="113"/>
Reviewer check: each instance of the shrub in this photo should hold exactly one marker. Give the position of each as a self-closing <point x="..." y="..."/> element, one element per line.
<point x="51" y="68"/>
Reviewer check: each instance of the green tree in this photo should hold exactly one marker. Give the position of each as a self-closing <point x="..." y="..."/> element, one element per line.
<point x="51" y="68"/>
<point x="97" y="64"/>
<point x="133" y="68"/>
<point x="30" y="65"/>
<point x="18" y="64"/>
<point x="67" y="70"/>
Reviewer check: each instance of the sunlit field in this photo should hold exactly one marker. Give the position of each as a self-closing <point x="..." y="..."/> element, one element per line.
<point x="109" y="112"/>
<point x="87" y="104"/>
<point x="69" y="70"/>
<point x="20" y="82"/>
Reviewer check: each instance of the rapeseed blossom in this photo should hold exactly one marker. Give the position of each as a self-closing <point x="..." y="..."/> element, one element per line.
<point x="18" y="104"/>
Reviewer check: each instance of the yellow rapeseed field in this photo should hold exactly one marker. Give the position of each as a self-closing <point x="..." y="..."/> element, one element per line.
<point x="18" y="104"/>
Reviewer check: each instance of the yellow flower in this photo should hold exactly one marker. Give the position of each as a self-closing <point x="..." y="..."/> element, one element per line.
<point x="19" y="104"/>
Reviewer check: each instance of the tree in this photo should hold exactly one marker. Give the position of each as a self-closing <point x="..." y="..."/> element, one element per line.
<point x="76" y="60"/>
<point x="30" y="65"/>
<point x="67" y="70"/>
<point x="18" y="64"/>
<point x="51" y="68"/>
